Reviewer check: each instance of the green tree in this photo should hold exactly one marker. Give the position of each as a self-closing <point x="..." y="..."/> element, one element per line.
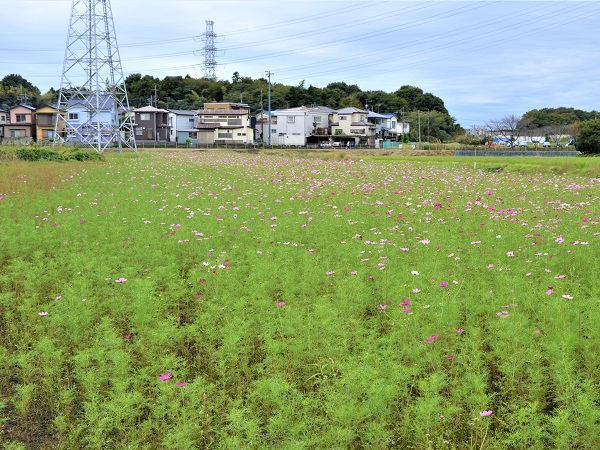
<point x="588" y="137"/>
<point x="417" y="100"/>
<point x="15" y="89"/>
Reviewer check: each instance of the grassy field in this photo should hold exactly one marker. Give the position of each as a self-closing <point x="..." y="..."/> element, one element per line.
<point x="223" y="300"/>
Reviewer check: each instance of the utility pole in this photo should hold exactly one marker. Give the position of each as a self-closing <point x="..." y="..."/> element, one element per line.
<point x="268" y="72"/>
<point x="419" y="117"/>
<point x="262" y="120"/>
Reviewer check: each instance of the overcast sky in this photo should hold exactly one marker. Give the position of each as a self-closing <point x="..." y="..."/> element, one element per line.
<point x="484" y="59"/>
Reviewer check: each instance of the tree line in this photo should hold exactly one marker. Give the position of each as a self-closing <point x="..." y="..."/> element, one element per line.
<point x="426" y="113"/>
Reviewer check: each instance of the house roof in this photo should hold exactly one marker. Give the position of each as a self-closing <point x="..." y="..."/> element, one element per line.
<point x="22" y="106"/>
<point x="149" y="108"/>
<point x="106" y="102"/>
<point x="374" y="115"/>
<point x="350" y="110"/>
<point x="182" y="112"/>
<point x="325" y="109"/>
<point x="301" y="109"/>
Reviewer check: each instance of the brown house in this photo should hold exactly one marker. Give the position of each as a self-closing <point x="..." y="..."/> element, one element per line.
<point x="151" y="124"/>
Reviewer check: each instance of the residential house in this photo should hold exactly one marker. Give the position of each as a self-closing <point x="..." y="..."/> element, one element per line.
<point x="90" y="119"/>
<point x="225" y="123"/>
<point x="351" y="127"/>
<point x="3" y="122"/>
<point x="20" y="124"/>
<point x="151" y="124"/>
<point x="300" y="126"/>
<point x="45" y="121"/>
<point x="387" y="128"/>
<point x="182" y="126"/>
<point x="396" y="128"/>
<point x="261" y="130"/>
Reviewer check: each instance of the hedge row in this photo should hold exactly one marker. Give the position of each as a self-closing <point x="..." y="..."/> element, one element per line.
<point x="50" y="154"/>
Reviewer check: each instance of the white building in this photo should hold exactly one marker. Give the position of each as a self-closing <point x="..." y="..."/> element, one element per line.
<point x="295" y="126"/>
<point x="182" y="126"/>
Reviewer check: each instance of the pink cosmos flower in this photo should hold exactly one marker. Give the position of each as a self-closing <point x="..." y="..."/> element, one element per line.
<point x="416" y="290"/>
<point x="128" y="336"/>
<point x="449" y="357"/>
<point x="406" y="310"/>
<point x="281" y="304"/>
<point x="459" y="330"/>
<point x="486" y="413"/>
<point x="58" y="297"/>
<point x="43" y="313"/>
<point x="405" y="302"/>
<point x="567" y="296"/>
<point x="165" y="376"/>
<point x="331" y="272"/>
<point x="181" y="383"/>
<point x="550" y="290"/>
<point x="382" y="307"/>
<point x="443" y="284"/>
<point x="538" y="331"/>
<point x="432" y="338"/>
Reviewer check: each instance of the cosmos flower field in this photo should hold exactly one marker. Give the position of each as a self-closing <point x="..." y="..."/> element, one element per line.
<point x="226" y="300"/>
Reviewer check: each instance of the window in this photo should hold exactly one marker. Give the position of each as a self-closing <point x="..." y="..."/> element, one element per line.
<point x="343" y="118"/>
<point x="191" y="120"/>
<point x="48" y="134"/>
<point x="16" y="133"/>
<point x="317" y="119"/>
<point x="393" y="124"/>
<point x="291" y="119"/>
<point x="362" y="119"/>
<point x="73" y="116"/>
<point x="139" y="132"/>
<point x="21" y="118"/>
<point x="2" y="118"/>
<point x="145" y="116"/>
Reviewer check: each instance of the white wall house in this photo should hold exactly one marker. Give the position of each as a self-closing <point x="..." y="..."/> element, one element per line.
<point x="182" y="126"/>
<point x="80" y="114"/>
<point x="295" y="125"/>
<point x="396" y="127"/>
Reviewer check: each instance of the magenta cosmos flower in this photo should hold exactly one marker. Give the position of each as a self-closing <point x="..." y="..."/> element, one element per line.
<point x="486" y="413"/>
<point x="165" y="376"/>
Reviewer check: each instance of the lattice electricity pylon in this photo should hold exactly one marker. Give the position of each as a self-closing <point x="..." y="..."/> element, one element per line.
<point x="210" y="51"/>
<point x="93" y="108"/>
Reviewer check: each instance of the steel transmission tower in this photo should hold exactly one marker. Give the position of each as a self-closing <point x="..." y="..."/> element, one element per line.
<point x="92" y="102"/>
<point x="210" y="51"/>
